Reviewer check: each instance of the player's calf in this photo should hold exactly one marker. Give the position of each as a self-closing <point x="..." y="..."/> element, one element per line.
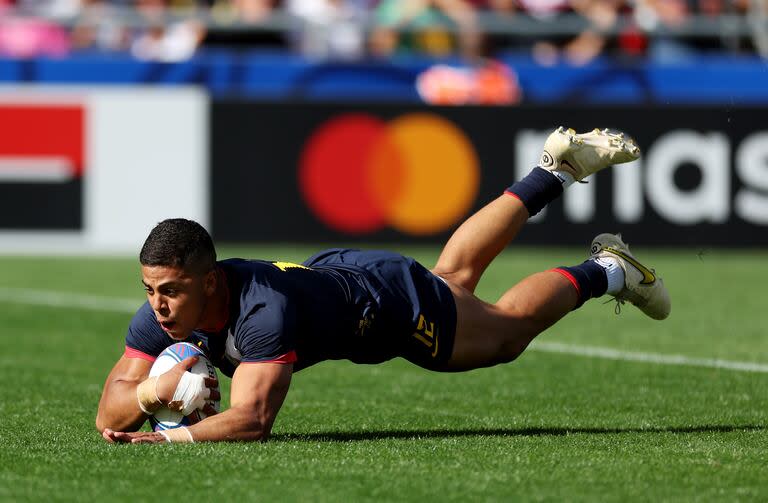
<point x="566" y="157"/>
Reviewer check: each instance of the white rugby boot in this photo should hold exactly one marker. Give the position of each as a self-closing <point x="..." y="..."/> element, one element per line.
<point x="642" y="287"/>
<point x="580" y="155"/>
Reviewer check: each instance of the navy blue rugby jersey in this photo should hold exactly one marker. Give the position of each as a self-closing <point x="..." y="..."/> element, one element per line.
<point x="302" y="314"/>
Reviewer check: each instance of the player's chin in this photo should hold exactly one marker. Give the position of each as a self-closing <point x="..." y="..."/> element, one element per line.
<point x="177" y="333"/>
<point x="178" y="336"/>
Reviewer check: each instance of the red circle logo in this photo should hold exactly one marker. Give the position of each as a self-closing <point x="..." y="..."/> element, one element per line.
<point x="417" y="173"/>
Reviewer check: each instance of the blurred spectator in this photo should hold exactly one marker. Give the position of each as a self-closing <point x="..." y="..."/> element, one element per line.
<point x="659" y="17"/>
<point x="499" y="7"/>
<point x="99" y="27"/>
<point x="30" y="37"/>
<point x="580" y="30"/>
<point x="330" y="28"/>
<point x="419" y="25"/>
<point x="496" y="7"/>
<point x="599" y="18"/>
<point x="544" y="8"/>
<point x="252" y="11"/>
<point x="53" y="8"/>
<point x="177" y="42"/>
<point x="602" y="16"/>
<point x="165" y="41"/>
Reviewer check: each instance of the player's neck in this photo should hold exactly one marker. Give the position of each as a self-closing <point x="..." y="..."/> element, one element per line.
<point x="216" y="312"/>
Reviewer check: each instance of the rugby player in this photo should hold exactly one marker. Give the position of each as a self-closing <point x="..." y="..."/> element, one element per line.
<point x="259" y="322"/>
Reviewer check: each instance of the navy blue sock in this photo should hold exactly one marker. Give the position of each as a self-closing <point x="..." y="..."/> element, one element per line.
<point x="536" y="190"/>
<point x="589" y="278"/>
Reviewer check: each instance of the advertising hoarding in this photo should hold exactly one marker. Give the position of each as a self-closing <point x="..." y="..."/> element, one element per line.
<point x="96" y="168"/>
<point x="379" y="173"/>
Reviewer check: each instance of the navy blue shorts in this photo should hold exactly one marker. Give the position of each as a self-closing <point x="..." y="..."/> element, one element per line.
<point x="416" y="312"/>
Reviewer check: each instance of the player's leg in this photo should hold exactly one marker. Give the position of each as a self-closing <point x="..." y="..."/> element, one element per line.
<point x="480" y="239"/>
<point x="567" y="157"/>
<point x="489" y="334"/>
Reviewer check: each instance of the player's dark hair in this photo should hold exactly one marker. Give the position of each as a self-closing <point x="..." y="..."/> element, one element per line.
<point x="177" y="242"/>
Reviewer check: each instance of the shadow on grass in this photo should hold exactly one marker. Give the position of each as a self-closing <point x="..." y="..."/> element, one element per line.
<point x="351" y="436"/>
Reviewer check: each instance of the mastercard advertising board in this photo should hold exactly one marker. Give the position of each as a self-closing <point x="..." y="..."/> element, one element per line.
<point x="346" y="174"/>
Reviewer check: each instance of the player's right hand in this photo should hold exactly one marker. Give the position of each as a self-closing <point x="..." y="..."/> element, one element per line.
<point x="168" y="383"/>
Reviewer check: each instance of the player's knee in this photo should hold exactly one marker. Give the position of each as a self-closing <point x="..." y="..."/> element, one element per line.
<point x="510" y="350"/>
<point x="523" y="327"/>
<point x="464" y="277"/>
<point x="100" y="424"/>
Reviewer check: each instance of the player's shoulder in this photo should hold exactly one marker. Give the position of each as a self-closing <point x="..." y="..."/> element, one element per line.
<point x="265" y="273"/>
<point x="255" y="284"/>
<point x="245" y="268"/>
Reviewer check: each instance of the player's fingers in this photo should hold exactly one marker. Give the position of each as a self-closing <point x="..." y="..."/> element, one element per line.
<point x="121" y="436"/>
<point x="107" y="435"/>
<point x="188" y="363"/>
<point x="148" y="438"/>
<point x="215" y="395"/>
<point x="211" y="382"/>
<point x="209" y="410"/>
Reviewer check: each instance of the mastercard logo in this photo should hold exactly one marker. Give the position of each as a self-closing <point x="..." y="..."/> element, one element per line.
<point x="417" y="173"/>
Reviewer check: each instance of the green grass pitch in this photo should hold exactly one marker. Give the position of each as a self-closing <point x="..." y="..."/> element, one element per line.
<point x="554" y="427"/>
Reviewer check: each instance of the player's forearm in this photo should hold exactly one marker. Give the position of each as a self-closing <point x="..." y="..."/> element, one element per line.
<point x="235" y="424"/>
<point x="118" y="408"/>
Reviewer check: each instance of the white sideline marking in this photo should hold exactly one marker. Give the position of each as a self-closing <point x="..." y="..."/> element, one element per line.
<point x="123" y="305"/>
<point x="657" y="358"/>
<point x="66" y="299"/>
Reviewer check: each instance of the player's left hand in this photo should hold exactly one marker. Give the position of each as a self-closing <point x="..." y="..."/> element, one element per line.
<point x="138" y="437"/>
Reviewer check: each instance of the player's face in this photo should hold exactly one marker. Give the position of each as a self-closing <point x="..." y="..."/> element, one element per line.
<point x="177" y="297"/>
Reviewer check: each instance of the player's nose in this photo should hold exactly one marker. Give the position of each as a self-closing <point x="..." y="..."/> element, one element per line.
<point x="158" y="305"/>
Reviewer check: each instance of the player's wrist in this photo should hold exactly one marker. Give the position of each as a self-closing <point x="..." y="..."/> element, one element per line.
<point x="190" y="393"/>
<point x="178" y="435"/>
<point x="146" y="394"/>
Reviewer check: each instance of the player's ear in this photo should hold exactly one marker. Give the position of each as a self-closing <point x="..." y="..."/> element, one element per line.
<point x="209" y="282"/>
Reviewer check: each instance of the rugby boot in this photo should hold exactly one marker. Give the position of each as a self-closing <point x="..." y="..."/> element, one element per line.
<point x="580" y="155"/>
<point x="642" y="286"/>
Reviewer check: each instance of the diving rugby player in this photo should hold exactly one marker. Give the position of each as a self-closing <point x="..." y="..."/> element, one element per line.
<point x="259" y="322"/>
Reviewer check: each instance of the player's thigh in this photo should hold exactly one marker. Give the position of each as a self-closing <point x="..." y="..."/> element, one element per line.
<point x="486" y="335"/>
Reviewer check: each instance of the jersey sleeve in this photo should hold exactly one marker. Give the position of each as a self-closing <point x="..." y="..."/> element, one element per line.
<point x="268" y="333"/>
<point x="145" y="339"/>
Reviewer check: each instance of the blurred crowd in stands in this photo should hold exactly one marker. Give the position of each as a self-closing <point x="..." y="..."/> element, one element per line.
<point x="573" y="31"/>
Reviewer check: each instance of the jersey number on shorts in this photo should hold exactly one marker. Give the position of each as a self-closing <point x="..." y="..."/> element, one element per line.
<point x="426" y="332"/>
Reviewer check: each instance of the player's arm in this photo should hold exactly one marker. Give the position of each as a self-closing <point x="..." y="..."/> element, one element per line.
<point x="119" y="408"/>
<point x="258" y="392"/>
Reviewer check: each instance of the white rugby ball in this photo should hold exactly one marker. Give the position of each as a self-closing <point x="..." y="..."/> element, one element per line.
<point x="165" y="418"/>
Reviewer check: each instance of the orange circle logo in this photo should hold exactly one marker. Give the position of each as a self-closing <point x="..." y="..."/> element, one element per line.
<point x="417" y="173"/>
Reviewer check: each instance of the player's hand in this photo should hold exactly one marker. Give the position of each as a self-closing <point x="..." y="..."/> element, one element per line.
<point x="139" y="437"/>
<point x="169" y="381"/>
